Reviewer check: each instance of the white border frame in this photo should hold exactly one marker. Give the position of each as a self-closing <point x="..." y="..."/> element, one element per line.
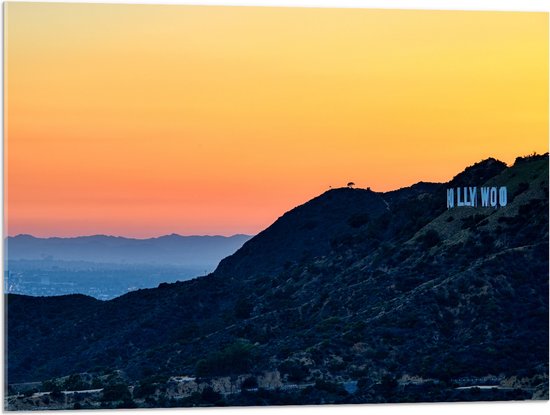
<point x="501" y="408"/>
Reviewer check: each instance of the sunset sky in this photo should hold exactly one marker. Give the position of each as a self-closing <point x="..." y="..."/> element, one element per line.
<point x="141" y="120"/>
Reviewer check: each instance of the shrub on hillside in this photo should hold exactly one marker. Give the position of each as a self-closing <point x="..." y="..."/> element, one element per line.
<point x="238" y="357"/>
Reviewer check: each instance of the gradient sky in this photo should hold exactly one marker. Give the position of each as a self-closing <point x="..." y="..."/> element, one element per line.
<point x="142" y="120"/>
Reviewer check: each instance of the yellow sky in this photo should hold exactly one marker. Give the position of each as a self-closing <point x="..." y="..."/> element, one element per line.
<point x="141" y="120"/>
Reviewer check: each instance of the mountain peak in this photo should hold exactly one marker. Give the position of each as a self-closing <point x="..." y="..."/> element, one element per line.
<point x="479" y="172"/>
<point x="306" y="231"/>
<point x="23" y="236"/>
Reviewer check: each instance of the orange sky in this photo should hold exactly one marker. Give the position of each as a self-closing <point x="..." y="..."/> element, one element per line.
<point x="142" y="120"/>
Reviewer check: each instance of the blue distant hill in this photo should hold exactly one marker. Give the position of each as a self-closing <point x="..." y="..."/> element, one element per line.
<point x="189" y="251"/>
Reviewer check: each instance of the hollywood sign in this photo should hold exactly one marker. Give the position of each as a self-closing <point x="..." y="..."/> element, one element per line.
<point x="491" y="197"/>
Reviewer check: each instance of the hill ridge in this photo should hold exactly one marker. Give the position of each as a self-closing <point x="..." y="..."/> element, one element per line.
<point x="340" y="287"/>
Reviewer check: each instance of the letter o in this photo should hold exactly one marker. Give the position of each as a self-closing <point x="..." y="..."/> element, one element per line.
<point x="503" y="196"/>
<point x="493" y="196"/>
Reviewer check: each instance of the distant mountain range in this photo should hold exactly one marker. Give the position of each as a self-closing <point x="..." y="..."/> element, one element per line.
<point x="190" y="251"/>
<point x="391" y="292"/>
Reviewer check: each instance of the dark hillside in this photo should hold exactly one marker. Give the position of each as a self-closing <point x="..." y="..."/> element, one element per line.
<point x="351" y="286"/>
<point x="305" y="232"/>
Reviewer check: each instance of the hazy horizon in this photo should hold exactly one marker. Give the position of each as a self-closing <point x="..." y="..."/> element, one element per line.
<point x="124" y="236"/>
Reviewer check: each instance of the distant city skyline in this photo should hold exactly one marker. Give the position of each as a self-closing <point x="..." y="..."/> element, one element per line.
<point x="145" y="120"/>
